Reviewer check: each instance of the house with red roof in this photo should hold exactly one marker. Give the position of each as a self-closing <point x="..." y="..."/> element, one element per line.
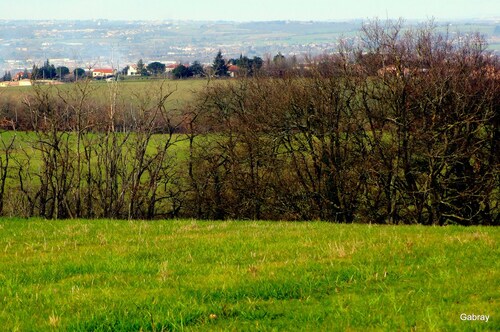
<point x="103" y="72"/>
<point x="21" y="75"/>
<point x="233" y="70"/>
<point x="170" y="67"/>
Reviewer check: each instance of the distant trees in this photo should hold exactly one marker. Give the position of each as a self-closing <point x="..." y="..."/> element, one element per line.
<point x="62" y="71"/>
<point x="46" y="72"/>
<point x="219" y="66"/>
<point x="279" y="58"/>
<point x="79" y="73"/>
<point x="124" y="70"/>
<point x="197" y="69"/>
<point x="141" y="68"/>
<point x="182" y="71"/>
<point x="7" y="76"/>
<point x="35" y="71"/>
<point x="248" y="66"/>
<point x="26" y="74"/>
<point x="156" y="68"/>
<point x="279" y="66"/>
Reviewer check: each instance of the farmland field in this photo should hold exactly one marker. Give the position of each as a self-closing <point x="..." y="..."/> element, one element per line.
<point x="173" y="275"/>
<point x="184" y="89"/>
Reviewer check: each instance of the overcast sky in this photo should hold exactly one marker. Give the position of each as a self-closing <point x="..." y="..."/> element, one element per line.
<point x="247" y="10"/>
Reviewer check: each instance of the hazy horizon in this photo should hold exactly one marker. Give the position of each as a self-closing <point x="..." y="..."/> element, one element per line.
<point x="257" y="10"/>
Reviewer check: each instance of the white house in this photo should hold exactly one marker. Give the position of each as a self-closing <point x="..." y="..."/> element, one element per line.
<point x="132" y="70"/>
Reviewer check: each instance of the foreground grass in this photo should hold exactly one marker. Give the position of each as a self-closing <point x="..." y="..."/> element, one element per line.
<point x="193" y="275"/>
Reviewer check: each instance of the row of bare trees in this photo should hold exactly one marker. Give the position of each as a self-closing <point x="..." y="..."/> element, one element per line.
<point x="80" y="160"/>
<point x="400" y="128"/>
<point x="403" y="128"/>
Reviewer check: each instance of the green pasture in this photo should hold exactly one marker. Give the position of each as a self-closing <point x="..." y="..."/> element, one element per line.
<point x="129" y="91"/>
<point x="110" y="275"/>
<point x="183" y="90"/>
<point x="27" y="148"/>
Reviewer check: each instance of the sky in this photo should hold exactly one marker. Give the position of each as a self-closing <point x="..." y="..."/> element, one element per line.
<point x="248" y="10"/>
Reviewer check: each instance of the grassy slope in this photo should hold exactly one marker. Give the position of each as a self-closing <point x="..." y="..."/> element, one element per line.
<point x="183" y="90"/>
<point x="121" y="275"/>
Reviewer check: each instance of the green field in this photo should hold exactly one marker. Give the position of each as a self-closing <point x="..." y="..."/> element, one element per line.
<point x="190" y="275"/>
<point x="183" y="90"/>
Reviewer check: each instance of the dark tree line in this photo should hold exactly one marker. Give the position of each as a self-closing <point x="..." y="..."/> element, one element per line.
<point x="49" y="72"/>
<point x="7" y="76"/>
<point x="194" y="70"/>
<point x="219" y="68"/>
<point x="248" y="66"/>
<point x="400" y="129"/>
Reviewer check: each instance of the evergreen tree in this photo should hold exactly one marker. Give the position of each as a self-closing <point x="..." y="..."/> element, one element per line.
<point x="48" y="71"/>
<point x="141" y="68"/>
<point x="62" y="71"/>
<point x="250" y="66"/>
<point x="182" y="72"/>
<point x="35" y="72"/>
<point x="197" y="69"/>
<point x="156" y="68"/>
<point x="124" y="71"/>
<point x="79" y="73"/>
<point x="7" y="76"/>
<point x="220" y="67"/>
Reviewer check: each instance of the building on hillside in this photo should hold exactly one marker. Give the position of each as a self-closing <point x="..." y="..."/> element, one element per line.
<point x="233" y="71"/>
<point x="132" y="70"/>
<point x="170" y="67"/>
<point x="21" y="75"/>
<point x="103" y="72"/>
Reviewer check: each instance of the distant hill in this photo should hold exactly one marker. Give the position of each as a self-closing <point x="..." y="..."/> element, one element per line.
<point x="118" y="43"/>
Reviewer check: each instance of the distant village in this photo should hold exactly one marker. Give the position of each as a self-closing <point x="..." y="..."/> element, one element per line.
<point x="93" y="46"/>
<point x="49" y="74"/>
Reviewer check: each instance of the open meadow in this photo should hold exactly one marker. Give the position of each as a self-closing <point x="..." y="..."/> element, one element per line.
<point x="110" y="275"/>
<point x="183" y="90"/>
